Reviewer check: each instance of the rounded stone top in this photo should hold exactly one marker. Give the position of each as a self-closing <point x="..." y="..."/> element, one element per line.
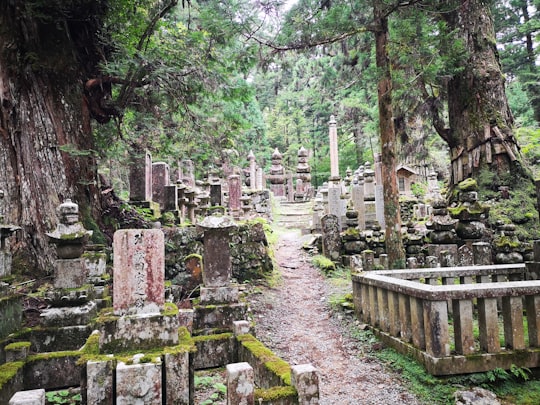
<point x="68" y="207"/>
<point x="302" y="152"/>
<point x="251" y="155"/>
<point x="217" y="222"/>
<point x="276" y="154"/>
<point x="332" y="120"/>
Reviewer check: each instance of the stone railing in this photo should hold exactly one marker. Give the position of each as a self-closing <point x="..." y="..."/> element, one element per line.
<point x="449" y="319"/>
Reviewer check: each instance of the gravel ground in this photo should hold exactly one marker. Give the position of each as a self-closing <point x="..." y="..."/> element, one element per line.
<point x="295" y="320"/>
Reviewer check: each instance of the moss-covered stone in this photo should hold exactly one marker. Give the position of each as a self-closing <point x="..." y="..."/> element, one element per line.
<point x="273" y="394"/>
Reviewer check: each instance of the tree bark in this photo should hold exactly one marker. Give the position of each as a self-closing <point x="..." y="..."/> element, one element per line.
<point x="480" y="134"/>
<point x="394" y="243"/>
<point x="46" y="145"/>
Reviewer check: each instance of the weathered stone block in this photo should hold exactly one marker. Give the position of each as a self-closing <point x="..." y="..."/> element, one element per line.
<point x="54" y="372"/>
<point x="218" y="316"/>
<point x="69" y="273"/>
<point x="185" y="318"/>
<point x="241" y="327"/>
<point x="138" y="332"/>
<point x="31" y="397"/>
<point x="67" y="316"/>
<point x="306" y="381"/>
<point x="99" y="380"/>
<point x="214" y="351"/>
<point x="95" y="264"/>
<point x="180" y="378"/>
<point x="10" y="314"/>
<point x="17" y="351"/>
<point x="219" y="295"/>
<point x="139" y="383"/>
<point x="240" y="384"/>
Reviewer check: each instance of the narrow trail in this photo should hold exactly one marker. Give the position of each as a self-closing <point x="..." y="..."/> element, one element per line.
<point x="295" y="321"/>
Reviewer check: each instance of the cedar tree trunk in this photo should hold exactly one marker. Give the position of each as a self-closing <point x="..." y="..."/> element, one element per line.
<point x="394" y="244"/>
<point x="480" y="136"/>
<point x="46" y="146"/>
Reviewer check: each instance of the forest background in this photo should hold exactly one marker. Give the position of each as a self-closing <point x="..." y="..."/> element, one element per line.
<point x="85" y="85"/>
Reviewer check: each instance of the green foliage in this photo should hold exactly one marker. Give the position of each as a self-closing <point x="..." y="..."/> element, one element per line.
<point x="324" y="264"/>
<point x="211" y="381"/>
<point x="63" y="397"/>
<point x="424" y="385"/>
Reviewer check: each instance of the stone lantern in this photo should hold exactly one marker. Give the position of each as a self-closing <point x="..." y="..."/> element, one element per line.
<point x="70" y="237"/>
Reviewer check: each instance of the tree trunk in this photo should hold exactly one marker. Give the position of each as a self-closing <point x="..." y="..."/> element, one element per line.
<point x="46" y="147"/>
<point x="480" y="136"/>
<point x="394" y="244"/>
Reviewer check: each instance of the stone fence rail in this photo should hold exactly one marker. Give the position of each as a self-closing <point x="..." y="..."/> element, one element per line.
<point x="450" y="318"/>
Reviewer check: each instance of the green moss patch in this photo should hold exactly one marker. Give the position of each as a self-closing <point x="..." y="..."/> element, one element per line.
<point x="17" y="346"/>
<point x="272" y="362"/>
<point x="275" y="393"/>
<point x="324" y="264"/>
<point x="8" y="371"/>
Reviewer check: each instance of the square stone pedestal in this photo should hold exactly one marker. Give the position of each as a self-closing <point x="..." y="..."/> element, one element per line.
<point x="137" y="332"/>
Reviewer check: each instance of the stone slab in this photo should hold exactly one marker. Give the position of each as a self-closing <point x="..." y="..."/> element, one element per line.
<point x="138" y="332"/>
<point x="69" y="316"/>
<point x="139" y="383"/>
<point x="219" y="317"/>
<point x="69" y="273"/>
<point x="219" y="295"/>
<point x="99" y="382"/>
<point x="30" y="397"/>
<point x="139" y="271"/>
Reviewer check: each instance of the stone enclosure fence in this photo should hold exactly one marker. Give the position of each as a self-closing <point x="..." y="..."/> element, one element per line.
<point x="455" y="320"/>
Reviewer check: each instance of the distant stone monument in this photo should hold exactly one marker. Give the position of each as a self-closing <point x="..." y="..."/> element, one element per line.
<point x="331" y="238"/>
<point x="334" y="158"/>
<point x="277" y="175"/>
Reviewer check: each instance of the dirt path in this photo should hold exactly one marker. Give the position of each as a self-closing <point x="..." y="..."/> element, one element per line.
<point x="295" y="321"/>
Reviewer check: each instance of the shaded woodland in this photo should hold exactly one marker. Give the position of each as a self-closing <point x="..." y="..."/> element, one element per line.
<point x="84" y="85"/>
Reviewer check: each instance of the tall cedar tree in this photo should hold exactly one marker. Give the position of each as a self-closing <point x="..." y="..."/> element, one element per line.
<point x="480" y="131"/>
<point x="48" y="52"/>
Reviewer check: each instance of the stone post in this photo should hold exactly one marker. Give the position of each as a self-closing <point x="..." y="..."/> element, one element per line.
<point x="160" y="179"/>
<point x="240" y="384"/>
<point x="139" y="383"/>
<point x="259" y="178"/>
<point x="306" y="381"/>
<point x="217" y="266"/>
<point x="334" y="202"/>
<point x="252" y="171"/>
<point x="235" y="193"/>
<point x="140" y="177"/>
<point x="334" y="158"/>
<point x="379" y="191"/>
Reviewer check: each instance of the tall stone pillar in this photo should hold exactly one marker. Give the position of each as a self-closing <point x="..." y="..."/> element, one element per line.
<point x="334" y="159"/>
<point x="252" y="171"/>
<point x="379" y="191"/>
